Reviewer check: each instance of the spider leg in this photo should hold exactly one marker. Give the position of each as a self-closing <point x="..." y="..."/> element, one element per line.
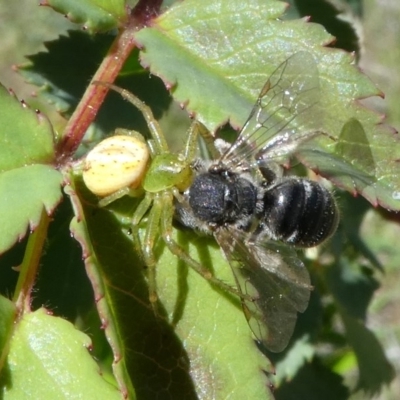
<point x="209" y="140"/>
<point x="105" y="201"/>
<point x="149" y="239"/>
<point x="140" y="211"/>
<point x="152" y="123"/>
<point x="191" y="143"/>
<point x="175" y="249"/>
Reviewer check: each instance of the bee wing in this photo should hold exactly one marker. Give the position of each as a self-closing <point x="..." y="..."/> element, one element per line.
<point x="287" y="112"/>
<point x="275" y="279"/>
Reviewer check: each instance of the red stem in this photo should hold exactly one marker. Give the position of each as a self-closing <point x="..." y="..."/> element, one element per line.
<point x="91" y="101"/>
<point x="84" y="114"/>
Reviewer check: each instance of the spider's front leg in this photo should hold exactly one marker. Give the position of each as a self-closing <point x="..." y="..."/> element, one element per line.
<point x="152" y="123"/>
<point x="149" y="239"/>
<point x="166" y="232"/>
<point x="140" y="211"/>
<point x="190" y="150"/>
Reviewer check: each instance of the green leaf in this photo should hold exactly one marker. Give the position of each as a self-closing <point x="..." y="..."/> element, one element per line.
<point x="357" y="164"/>
<point x="352" y="288"/>
<point x="313" y="382"/>
<point x="217" y="78"/>
<point x="52" y="351"/>
<point x="95" y="15"/>
<point x="354" y="210"/>
<point x="299" y="354"/>
<point x="218" y="75"/>
<point x="337" y="18"/>
<point x="27" y="181"/>
<point x="62" y="283"/>
<point x="353" y="146"/>
<point x="201" y="345"/>
<point x="375" y="371"/>
<point x="25" y="137"/>
<point x="211" y="325"/>
<point x="8" y="312"/>
<point x="60" y="85"/>
<point x="112" y="301"/>
<point x="23" y="193"/>
<point x="351" y="285"/>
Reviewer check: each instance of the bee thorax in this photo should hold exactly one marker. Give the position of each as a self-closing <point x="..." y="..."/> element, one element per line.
<point x="222" y="198"/>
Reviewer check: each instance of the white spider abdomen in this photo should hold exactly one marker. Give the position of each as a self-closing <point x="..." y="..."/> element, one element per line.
<point x="115" y="163"/>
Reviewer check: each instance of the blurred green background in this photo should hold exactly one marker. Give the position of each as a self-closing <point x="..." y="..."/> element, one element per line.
<point x="24" y="26"/>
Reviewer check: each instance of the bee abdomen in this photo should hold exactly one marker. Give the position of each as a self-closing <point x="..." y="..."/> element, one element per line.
<point x="300" y="212"/>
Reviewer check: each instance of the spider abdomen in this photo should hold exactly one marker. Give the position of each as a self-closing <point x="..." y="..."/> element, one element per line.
<point x="115" y="163"/>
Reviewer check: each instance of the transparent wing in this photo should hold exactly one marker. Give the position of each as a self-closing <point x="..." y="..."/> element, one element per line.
<point x="277" y="281"/>
<point x="287" y="112"/>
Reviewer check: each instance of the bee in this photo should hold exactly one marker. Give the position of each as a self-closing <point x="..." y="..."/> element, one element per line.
<point x="256" y="214"/>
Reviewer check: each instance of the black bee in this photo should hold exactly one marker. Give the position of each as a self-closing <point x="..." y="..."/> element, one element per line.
<point x="257" y="215"/>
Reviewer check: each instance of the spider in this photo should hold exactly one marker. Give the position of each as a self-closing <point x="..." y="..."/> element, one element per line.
<point x="163" y="181"/>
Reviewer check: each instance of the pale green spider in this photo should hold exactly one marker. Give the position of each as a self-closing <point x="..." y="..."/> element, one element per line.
<point x="166" y="177"/>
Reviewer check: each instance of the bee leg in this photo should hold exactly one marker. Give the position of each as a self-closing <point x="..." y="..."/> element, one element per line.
<point x="166" y="232"/>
